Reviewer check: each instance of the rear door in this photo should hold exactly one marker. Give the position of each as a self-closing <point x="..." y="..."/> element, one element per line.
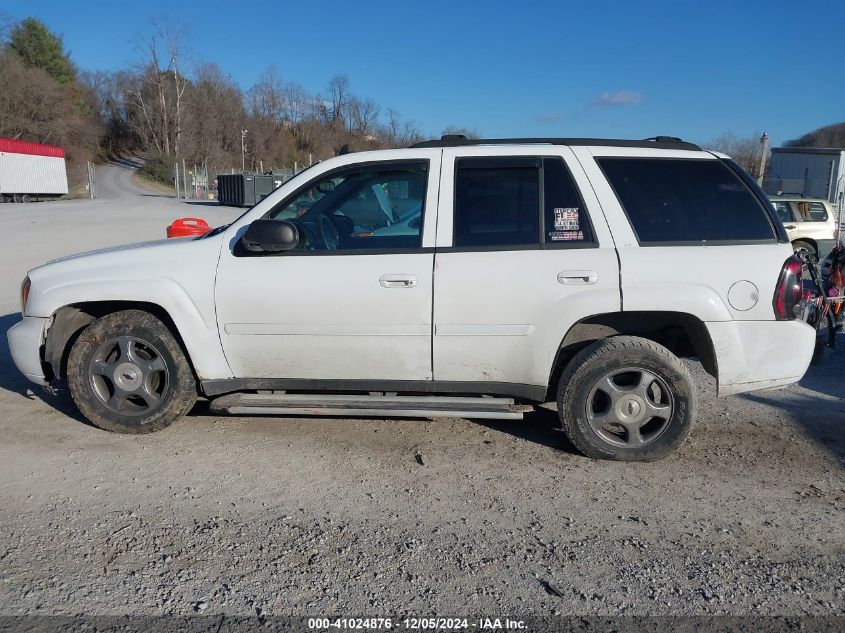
<point x="814" y="221"/>
<point x="523" y="252"/>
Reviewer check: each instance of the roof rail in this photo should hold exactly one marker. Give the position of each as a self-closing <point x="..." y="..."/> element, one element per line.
<point x="659" y="142"/>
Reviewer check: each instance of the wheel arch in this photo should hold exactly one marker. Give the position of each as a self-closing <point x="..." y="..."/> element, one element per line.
<point x="684" y="334"/>
<point x="69" y="321"/>
<point x="807" y="240"/>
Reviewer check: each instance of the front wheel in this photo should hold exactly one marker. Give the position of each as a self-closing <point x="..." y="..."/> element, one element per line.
<point x="626" y="398"/>
<point x="126" y="373"/>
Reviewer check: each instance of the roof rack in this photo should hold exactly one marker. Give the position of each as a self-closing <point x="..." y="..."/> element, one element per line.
<point x="658" y="142"/>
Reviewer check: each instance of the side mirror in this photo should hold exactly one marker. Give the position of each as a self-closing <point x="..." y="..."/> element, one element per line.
<point x="270" y="236"/>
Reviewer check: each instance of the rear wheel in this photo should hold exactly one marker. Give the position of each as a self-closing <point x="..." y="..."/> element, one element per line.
<point x="127" y="374"/>
<point x="626" y="398"/>
<point x="801" y="246"/>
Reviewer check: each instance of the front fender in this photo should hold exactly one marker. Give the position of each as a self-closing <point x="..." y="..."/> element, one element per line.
<point x="198" y="333"/>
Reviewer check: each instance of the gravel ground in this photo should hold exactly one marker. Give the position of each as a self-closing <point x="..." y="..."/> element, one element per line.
<point x="267" y="516"/>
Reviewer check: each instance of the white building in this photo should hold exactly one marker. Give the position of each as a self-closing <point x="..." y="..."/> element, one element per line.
<point x="813" y="172"/>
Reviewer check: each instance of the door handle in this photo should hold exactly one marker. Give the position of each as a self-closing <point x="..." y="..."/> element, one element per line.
<point x="790" y="227"/>
<point x="398" y="281"/>
<point x="578" y="277"/>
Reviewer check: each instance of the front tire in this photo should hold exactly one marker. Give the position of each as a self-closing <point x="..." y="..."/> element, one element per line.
<point x="626" y="398"/>
<point x="126" y="373"/>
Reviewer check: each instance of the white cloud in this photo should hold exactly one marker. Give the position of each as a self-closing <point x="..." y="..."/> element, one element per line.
<point x="618" y="98"/>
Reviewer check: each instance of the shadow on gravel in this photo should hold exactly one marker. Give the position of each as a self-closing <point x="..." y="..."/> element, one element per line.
<point x="819" y="409"/>
<point x="12" y="380"/>
<point x="127" y="162"/>
<point x="540" y="426"/>
<point x="206" y="203"/>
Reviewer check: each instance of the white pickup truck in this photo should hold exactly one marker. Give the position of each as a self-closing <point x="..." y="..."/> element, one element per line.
<point x="457" y="277"/>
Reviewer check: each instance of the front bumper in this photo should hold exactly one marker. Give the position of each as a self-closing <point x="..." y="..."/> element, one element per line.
<point x="754" y="355"/>
<point x="25" y="340"/>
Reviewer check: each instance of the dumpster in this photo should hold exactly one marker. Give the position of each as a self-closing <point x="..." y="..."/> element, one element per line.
<point x="246" y="190"/>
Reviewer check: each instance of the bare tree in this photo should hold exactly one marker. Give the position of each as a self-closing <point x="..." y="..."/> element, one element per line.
<point x="157" y="97"/>
<point x="745" y="151"/>
<point x="338" y="95"/>
<point x="363" y="114"/>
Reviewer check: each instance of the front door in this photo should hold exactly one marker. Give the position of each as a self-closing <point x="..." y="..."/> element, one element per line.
<point x="354" y="300"/>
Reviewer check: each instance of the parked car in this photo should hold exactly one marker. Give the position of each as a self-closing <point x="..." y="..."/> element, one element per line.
<point x="580" y="271"/>
<point x="811" y="223"/>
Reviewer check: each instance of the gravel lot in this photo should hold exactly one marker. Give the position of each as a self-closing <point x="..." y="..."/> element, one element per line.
<point x="354" y="517"/>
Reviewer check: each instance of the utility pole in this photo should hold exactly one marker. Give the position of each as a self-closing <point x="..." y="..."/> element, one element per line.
<point x="243" y="150"/>
<point x="764" y="154"/>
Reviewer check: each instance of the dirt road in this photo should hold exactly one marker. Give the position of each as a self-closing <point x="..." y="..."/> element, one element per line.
<point x="331" y="516"/>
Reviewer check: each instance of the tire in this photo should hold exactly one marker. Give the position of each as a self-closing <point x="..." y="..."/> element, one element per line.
<point x="126" y="373"/>
<point x="646" y="414"/>
<point x="801" y="245"/>
<point x="25" y="199"/>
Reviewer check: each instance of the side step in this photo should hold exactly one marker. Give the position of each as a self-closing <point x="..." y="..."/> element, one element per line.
<point x="368" y="406"/>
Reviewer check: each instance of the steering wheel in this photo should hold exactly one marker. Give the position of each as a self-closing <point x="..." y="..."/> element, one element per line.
<point x="328" y="233"/>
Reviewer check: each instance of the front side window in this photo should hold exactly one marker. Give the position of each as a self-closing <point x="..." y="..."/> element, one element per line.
<point x="686" y="201"/>
<point x="783" y="211"/>
<point x="374" y="207"/>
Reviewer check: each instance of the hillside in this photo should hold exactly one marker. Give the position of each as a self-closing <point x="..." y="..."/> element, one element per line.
<point x="827" y="136"/>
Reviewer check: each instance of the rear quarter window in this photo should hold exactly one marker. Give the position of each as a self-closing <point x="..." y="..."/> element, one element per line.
<point x="686" y="201"/>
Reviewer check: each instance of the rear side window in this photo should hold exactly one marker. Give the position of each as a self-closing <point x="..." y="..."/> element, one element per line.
<point x="686" y="201"/>
<point x="811" y="211"/>
<point x="497" y="201"/>
<point x="520" y="201"/>
<point x="565" y="220"/>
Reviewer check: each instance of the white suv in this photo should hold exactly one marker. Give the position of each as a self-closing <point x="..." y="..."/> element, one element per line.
<point x="519" y="271"/>
<point x="811" y="223"/>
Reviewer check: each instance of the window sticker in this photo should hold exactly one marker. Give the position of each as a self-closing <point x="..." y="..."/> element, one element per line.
<point x="566" y="236"/>
<point x="566" y="219"/>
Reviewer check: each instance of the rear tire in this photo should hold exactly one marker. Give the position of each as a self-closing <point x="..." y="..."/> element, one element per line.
<point x="806" y="247"/>
<point x="127" y="373"/>
<point x="626" y="398"/>
<point x="801" y="245"/>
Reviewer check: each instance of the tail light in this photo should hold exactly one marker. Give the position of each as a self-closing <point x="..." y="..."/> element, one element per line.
<point x="789" y="290"/>
<point x="25" y="286"/>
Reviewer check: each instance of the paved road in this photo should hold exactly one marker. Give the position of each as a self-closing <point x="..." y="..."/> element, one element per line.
<point x="123" y="212"/>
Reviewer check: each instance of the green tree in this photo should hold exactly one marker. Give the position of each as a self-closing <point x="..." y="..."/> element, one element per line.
<point x="39" y="48"/>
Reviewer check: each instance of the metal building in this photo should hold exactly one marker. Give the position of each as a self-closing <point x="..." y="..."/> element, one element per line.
<point x="812" y="172"/>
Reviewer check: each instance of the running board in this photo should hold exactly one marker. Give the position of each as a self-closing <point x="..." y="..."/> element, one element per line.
<point x="368" y="406"/>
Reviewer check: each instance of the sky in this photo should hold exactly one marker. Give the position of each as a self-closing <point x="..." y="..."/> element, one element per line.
<point x="627" y="69"/>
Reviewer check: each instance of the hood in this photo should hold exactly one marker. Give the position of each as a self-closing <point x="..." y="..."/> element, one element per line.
<point x="116" y="249"/>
